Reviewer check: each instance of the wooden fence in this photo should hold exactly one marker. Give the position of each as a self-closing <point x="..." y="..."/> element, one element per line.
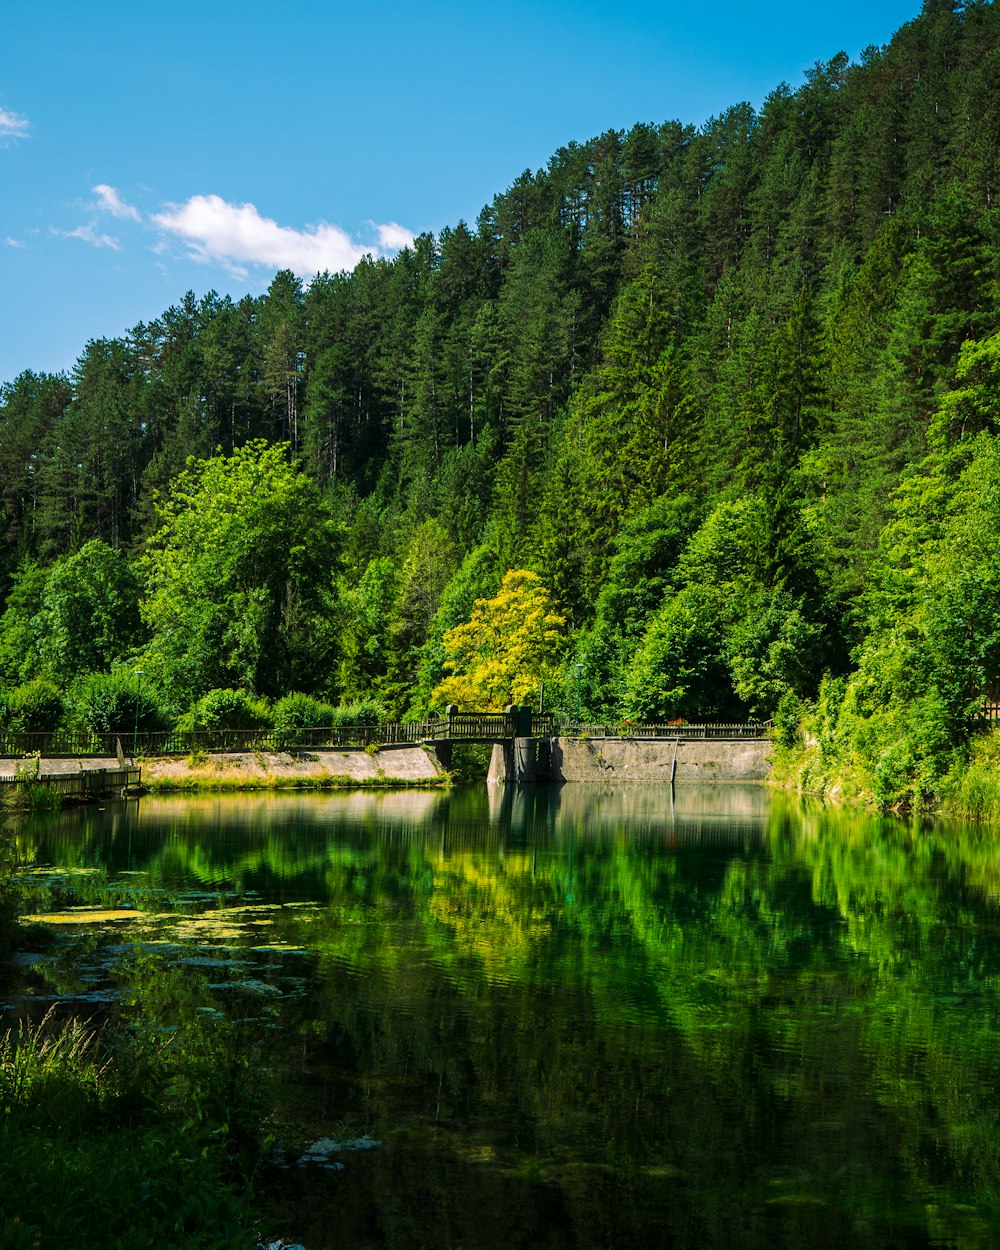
<point x="92" y="783"/>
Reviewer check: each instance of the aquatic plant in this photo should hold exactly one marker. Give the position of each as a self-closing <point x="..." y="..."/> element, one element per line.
<point x="9" y="895"/>
<point x="144" y="1131"/>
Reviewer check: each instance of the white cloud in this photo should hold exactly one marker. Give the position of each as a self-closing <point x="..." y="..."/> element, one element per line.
<point x="13" y="125"/>
<point x="109" y="201"/>
<point x="89" y="234"/>
<point x="12" y="242"/>
<point x="236" y="235"/>
<point x="392" y="236"/>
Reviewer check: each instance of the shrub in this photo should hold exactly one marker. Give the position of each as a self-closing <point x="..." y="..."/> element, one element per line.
<point x="34" y="708"/>
<point x="302" y="711"/>
<point x="364" y="712"/>
<point x="226" y="709"/>
<point x="116" y="703"/>
<point x="788" y="718"/>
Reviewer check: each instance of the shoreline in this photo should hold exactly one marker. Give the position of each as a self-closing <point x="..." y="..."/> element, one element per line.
<point x="408" y="767"/>
<point x="318" y="769"/>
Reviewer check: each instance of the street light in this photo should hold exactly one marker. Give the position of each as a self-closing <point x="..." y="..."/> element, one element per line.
<point x="579" y="672"/>
<point x="135" y="731"/>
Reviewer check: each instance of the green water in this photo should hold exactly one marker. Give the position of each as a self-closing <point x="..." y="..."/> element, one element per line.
<point x="582" y="1017"/>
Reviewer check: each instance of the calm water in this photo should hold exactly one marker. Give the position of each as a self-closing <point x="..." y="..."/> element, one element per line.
<point x="582" y="1017"/>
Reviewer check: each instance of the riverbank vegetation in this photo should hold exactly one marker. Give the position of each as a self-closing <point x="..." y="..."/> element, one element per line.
<point x="143" y="1129"/>
<point x="728" y="395"/>
<point x="276" y="771"/>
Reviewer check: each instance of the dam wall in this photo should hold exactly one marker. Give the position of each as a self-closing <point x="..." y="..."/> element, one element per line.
<point x="616" y="760"/>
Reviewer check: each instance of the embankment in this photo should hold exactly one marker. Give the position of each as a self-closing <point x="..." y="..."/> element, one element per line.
<point x="312" y="769"/>
<point x="271" y="770"/>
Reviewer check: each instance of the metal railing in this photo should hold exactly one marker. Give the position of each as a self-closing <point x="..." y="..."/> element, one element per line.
<point x="669" y="731"/>
<point x="458" y="727"/>
<point x="188" y="742"/>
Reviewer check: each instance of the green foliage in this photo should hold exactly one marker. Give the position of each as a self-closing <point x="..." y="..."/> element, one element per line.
<point x="788" y="719"/>
<point x="933" y="641"/>
<point x="364" y="641"/>
<point x="640" y="575"/>
<point x="302" y="711"/>
<point x="730" y="637"/>
<point x="35" y="707"/>
<point x="971" y="788"/>
<point x="143" y="1133"/>
<point x="470" y="762"/>
<point x="238" y="579"/>
<point x="362" y="712"/>
<point x="773" y="649"/>
<point x="428" y="566"/>
<point x="113" y="703"/>
<point x="227" y="709"/>
<point x="689" y="377"/>
<point x="89" y="613"/>
<point x="679" y="669"/>
<point x="508" y="648"/>
<point x="20" y="625"/>
<point x="478" y="578"/>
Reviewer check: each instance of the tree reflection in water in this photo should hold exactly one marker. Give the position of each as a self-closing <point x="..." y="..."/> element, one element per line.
<point x="587" y="1017"/>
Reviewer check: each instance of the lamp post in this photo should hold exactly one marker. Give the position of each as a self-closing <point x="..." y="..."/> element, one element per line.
<point x="579" y="672"/>
<point x="135" y="731"/>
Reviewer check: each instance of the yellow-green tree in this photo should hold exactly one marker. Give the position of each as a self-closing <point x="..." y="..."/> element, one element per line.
<point x="506" y="650"/>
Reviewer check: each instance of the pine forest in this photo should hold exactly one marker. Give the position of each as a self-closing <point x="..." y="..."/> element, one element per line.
<point x="693" y="424"/>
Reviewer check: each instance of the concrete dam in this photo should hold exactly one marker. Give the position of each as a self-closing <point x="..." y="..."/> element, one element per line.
<point x="615" y="760"/>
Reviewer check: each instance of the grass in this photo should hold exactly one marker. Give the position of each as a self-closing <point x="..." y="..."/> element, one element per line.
<point x="253" y="772"/>
<point x="33" y="795"/>
<point x="972" y="788"/>
<point x="144" y="1131"/>
<point x="969" y="791"/>
<point x="310" y="782"/>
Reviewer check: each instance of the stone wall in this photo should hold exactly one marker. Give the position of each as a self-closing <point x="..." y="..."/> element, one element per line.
<point x="613" y="760"/>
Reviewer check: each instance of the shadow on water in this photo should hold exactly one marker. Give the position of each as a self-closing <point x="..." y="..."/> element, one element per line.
<point x="585" y="1016"/>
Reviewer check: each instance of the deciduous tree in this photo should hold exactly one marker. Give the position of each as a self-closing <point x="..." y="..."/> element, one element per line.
<point x="511" y="645"/>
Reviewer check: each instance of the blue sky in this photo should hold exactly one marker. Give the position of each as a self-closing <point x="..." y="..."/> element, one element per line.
<point x="146" y="151"/>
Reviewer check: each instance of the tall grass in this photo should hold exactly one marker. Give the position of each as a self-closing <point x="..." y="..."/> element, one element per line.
<point x="972" y="787"/>
<point x="134" y="1134"/>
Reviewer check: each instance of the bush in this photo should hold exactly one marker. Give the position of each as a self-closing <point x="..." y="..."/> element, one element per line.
<point x="788" y="718"/>
<point x="302" y="711"/>
<point x="109" y="703"/>
<point x="36" y="707"/>
<point x="364" y="712"/>
<point x="226" y="709"/>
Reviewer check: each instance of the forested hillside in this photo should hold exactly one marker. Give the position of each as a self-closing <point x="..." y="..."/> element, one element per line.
<point x="728" y="400"/>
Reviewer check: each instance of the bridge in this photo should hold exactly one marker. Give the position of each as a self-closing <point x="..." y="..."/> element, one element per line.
<point x="452" y="727"/>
